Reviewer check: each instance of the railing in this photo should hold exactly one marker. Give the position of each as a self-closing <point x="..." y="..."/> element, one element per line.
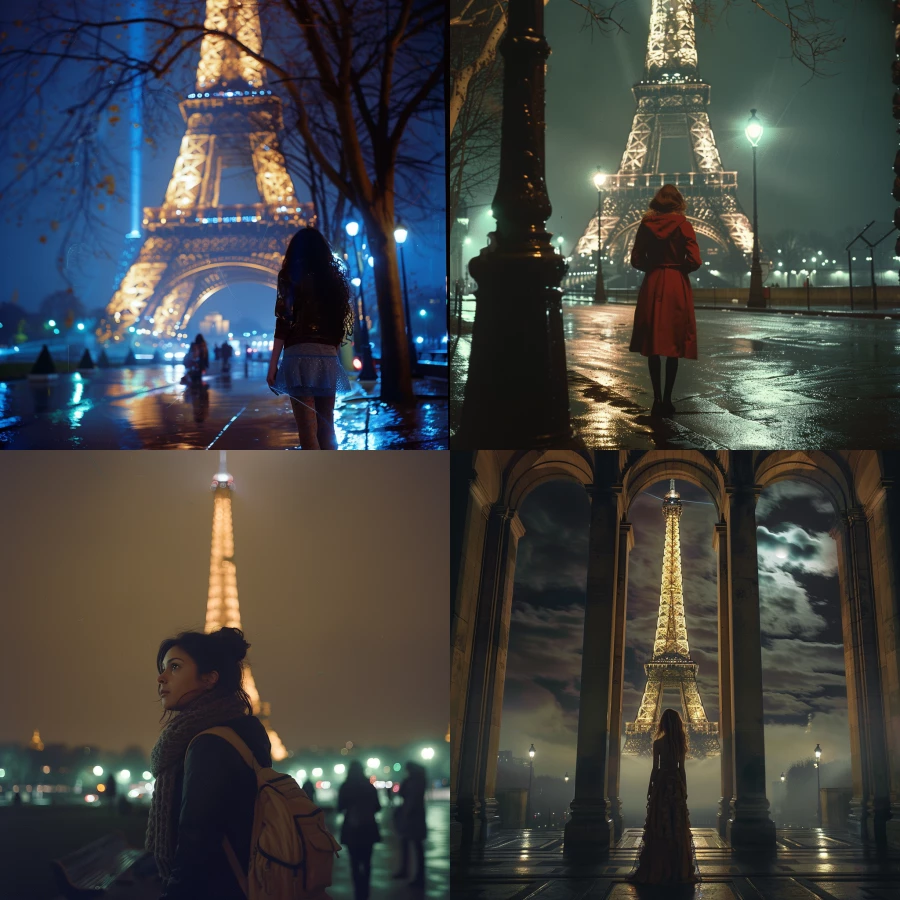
<point x="683" y="179"/>
<point x="241" y="212"/>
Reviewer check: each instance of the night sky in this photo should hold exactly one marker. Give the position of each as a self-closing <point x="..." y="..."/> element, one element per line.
<point x="30" y="267"/>
<point x="342" y="574"/>
<point x="803" y="664"/>
<point x="824" y="163"/>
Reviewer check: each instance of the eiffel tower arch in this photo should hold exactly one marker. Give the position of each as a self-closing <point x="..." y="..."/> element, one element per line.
<point x="194" y="244"/>
<point x="672" y="103"/>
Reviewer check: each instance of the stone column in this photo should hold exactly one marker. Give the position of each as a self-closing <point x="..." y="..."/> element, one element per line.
<point x="476" y="807"/>
<point x="726" y="720"/>
<point x="870" y="804"/>
<point x="590" y="830"/>
<point x="749" y="824"/>
<point x="626" y="542"/>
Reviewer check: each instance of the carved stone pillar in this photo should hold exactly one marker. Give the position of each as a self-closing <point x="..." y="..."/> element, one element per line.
<point x="726" y="720"/>
<point x="626" y="542"/>
<point x="870" y="804"/>
<point x="749" y="824"/>
<point x="516" y="392"/>
<point x="590" y="830"/>
<point x="476" y="807"/>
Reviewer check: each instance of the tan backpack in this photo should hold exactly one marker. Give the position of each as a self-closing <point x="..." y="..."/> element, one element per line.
<point x="291" y="851"/>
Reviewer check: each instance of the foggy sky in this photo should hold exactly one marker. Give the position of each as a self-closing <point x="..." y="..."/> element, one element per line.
<point x="30" y="267"/>
<point x="342" y="572"/>
<point x="824" y="162"/>
<point x="803" y="665"/>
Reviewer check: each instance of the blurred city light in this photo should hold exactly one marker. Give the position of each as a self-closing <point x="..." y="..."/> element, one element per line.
<point x="373" y="763"/>
<point x="98" y="770"/>
<point x="339" y="769"/>
<point x="428" y="753"/>
<point x="147" y="776"/>
<point x="317" y="773"/>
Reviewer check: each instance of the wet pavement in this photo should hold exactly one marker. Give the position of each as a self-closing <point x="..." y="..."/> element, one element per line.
<point x="148" y="408"/>
<point x="777" y="380"/>
<point x="808" y="864"/>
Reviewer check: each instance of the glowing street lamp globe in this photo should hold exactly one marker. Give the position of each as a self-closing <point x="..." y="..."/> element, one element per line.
<point x="428" y="753"/>
<point x="599" y="179"/>
<point x="818" y="752"/>
<point x="352" y="228"/>
<point x="400" y="234"/>
<point x="754" y="129"/>
<point x="531" y="751"/>
<point x="782" y="777"/>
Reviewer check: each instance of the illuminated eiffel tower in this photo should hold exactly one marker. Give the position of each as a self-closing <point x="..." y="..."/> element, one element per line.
<point x="193" y="244"/>
<point x="672" y="102"/>
<point x="222" y="609"/>
<point x="671" y="665"/>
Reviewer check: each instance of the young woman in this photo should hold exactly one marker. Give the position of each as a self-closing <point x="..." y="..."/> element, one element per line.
<point x="665" y="247"/>
<point x="313" y="317"/>
<point x="358" y="801"/>
<point x="667" y="851"/>
<point x="210" y="792"/>
<point x="410" y="821"/>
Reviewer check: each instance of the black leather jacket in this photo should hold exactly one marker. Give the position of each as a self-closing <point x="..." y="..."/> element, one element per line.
<point x="218" y="795"/>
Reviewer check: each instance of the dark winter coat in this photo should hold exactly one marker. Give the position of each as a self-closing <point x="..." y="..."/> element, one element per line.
<point x="665" y="247"/>
<point x="218" y="796"/>
<point x="359" y="802"/>
<point x="410" y="817"/>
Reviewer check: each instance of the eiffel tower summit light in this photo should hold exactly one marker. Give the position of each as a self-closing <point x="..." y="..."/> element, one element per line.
<point x="672" y="102"/>
<point x="194" y="244"/>
<point x="671" y="665"/>
<point x="222" y="610"/>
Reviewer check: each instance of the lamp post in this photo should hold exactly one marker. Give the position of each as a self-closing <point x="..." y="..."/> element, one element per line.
<point x="367" y="371"/>
<point x="530" y="774"/>
<point x="818" y="752"/>
<point x="599" y="288"/>
<point x="756" y="300"/>
<point x="400" y="235"/>
<point x="462" y="219"/>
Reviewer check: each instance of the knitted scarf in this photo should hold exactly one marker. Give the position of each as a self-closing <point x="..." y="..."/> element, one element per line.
<point x="167" y="765"/>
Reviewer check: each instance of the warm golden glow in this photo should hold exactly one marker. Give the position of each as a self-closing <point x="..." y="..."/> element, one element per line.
<point x="221" y="62"/>
<point x="671" y="47"/>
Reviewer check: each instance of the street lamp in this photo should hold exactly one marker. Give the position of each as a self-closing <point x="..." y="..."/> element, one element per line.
<point x="756" y="300"/>
<point x="367" y="370"/>
<point x="599" y="289"/>
<point x="400" y="235"/>
<point x="530" y="775"/>
<point x="818" y="752"/>
<point x="782" y="777"/>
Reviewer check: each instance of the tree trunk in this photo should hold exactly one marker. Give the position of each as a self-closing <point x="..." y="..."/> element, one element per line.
<point x="396" y="381"/>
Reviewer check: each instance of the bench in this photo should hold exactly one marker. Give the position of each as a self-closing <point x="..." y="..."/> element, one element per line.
<point x="90" y="870"/>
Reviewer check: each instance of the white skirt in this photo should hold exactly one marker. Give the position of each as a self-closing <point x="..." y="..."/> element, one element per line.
<point x="311" y="370"/>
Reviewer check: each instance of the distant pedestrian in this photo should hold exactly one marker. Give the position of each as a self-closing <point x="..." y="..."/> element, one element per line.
<point x="196" y="361"/>
<point x="309" y="788"/>
<point x="313" y="317"/>
<point x="410" y="822"/>
<point x="665" y="247"/>
<point x="17" y="798"/>
<point x="358" y="801"/>
<point x="226" y="353"/>
<point x="217" y="352"/>
<point x="111" y="790"/>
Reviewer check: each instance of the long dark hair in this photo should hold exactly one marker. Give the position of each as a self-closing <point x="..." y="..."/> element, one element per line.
<point x="221" y="651"/>
<point x="671" y="728"/>
<point x="309" y="254"/>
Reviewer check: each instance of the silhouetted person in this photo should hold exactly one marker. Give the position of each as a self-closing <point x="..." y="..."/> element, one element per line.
<point x="410" y="820"/>
<point x="196" y="360"/>
<point x="226" y="353"/>
<point x="309" y="788"/>
<point x="665" y="247"/>
<point x="217" y="352"/>
<point x="666" y="853"/>
<point x="313" y="317"/>
<point x="358" y="800"/>
<point x="17" y="798"/>
<point x="111" y="790"/>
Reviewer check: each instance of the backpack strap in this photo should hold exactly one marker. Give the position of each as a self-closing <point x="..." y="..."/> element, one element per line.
<point x="230" y="735"/>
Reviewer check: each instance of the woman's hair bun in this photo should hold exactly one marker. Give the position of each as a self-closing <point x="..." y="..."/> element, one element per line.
<point x="233" y="639"/>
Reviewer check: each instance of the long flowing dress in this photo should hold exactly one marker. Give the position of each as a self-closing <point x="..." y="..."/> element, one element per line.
<point x="665" y="247"/>
<point x="666" y="854"/>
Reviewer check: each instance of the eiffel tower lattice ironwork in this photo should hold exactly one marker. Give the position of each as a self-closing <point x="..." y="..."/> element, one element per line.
<point x="672" y="102"/>
<point x="193" y="245"/>
<point x="222" y="610"/>
<point x="671" y="665"/>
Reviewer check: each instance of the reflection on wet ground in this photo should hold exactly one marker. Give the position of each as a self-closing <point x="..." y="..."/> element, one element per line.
<point x="808" y="864"/>
<point x="762" y="381"/>
<point x="150" y="408"/>
<point x="386" y="857"/>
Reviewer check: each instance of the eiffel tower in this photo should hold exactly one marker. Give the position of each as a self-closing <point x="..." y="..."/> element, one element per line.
<point x="194" y="246"/>
<point x="222" y="609"/>
<point x="671" y="665"/>
<point x="672" y="102"/>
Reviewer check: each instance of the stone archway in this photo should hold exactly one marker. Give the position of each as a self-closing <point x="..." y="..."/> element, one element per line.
<point x="496" y="482"/>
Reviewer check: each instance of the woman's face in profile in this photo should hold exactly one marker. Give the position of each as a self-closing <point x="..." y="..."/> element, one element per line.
<point x="179" y="682"/>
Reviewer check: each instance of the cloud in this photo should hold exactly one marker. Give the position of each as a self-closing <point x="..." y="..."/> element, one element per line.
<point x="783" y="493"/>
<point x="796" y="549"/>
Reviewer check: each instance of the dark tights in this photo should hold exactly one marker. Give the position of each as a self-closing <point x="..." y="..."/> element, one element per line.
<point x="671" y="372"/>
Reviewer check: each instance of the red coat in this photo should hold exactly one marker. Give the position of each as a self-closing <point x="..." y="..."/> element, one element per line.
<point x="666" y="249"/>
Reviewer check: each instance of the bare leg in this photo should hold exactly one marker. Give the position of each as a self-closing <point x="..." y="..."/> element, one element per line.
<point x="305" y="417"/>
<point x="325" y="423"/>
<point x="653" y="365"/>
<point x="671" y="372"/>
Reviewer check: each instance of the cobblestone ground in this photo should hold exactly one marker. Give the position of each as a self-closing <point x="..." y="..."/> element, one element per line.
<point x="773" y="380"/>
<point x="809" y="864"/>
